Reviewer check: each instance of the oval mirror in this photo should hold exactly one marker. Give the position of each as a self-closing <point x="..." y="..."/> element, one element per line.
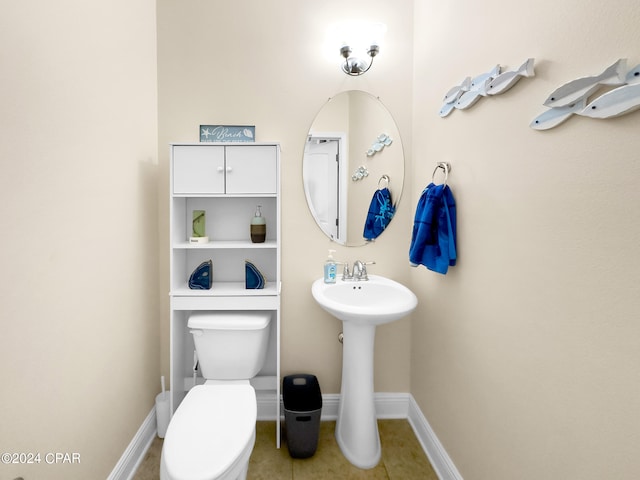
<point x="353" y="168"/>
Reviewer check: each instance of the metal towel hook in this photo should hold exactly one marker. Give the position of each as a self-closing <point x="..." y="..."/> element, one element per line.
<point x="444" y="166"/>
<point x="386" y="178"/>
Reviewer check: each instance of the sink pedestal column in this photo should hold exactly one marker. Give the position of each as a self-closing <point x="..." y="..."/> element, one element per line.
<point x="357" y="427"/>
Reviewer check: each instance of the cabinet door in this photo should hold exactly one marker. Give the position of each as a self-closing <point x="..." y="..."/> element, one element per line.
<point x="198" y="169"/>
<point x="252" y="169"/>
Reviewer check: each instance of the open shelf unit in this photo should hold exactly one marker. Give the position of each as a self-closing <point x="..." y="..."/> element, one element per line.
<point x="226" y="181"/>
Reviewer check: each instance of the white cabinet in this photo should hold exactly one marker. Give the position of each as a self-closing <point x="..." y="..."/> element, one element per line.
<point x="197" y="170"/>
<point x="241" y="169"/>
<point x="226" y="181"/>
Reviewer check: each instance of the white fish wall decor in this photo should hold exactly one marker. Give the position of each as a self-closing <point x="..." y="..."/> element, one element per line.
<point x="479" y="81"/>
<point x="634" y="75"/>
<point x="452" y="96"/>
<point x="454" y="93"/>
<point x="616" y="102"/>
<point x="447" y="108"/>
<point x="467" y="99"/>
<point x="571" y="92"/>
<point x="477" y="89"/>
<point x="506" y="80"/>
<point x="555" y="116"/>
<point x="468" y="92"/>
<point x="619" y="101"/>
<point x="381" y="141"/>
<point x="473" y="89"/>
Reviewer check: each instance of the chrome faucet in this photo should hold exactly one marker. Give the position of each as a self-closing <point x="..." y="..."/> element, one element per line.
<point x="360" y="270"/>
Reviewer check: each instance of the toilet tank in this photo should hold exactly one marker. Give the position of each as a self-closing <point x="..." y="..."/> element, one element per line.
<point x="230" y="345"/>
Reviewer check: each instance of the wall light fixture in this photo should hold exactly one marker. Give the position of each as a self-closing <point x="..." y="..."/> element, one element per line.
<point x="355" y="39"/>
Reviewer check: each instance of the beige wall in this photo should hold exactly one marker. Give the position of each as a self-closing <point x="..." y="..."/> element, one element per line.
<point x="79" y="348"/>
<point x="263" y="64"/>
<point x="525" y="357"/>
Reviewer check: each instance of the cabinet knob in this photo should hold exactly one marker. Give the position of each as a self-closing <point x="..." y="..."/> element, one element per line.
<point x="229" y="169"/>
<point x="220" y="169"/>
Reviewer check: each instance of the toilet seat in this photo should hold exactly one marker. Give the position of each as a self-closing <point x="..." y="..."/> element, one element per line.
<point x="211" y="434"/>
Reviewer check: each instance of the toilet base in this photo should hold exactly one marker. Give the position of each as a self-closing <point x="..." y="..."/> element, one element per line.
<point x="238" y="471"/>
<point x="242" y="476"/>
<point x="212" y="434"/>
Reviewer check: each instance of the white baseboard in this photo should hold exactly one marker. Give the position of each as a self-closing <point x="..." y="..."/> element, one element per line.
<point x="403" y="405"/>
<point x="440" y="460"/>
<point x="126" y="467"/>
<point x="388" y="405"/>
<point x="266" y="405"/>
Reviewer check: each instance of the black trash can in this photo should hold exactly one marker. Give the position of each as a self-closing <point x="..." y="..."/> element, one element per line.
<point x="302" y="407"/>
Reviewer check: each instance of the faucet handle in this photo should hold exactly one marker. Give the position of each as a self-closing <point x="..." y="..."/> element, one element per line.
<point x="364" y="267"/>
<point x="345" y="272"/>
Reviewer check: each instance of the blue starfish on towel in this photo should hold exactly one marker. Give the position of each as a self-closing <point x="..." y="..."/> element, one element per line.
<point x="381" y="211"/>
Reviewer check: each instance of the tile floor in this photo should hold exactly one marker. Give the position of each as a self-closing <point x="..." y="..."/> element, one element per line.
<point x="402" y="457"/>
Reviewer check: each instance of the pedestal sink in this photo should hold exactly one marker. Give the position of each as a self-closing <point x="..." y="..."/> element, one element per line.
<point x="361" y="305"/>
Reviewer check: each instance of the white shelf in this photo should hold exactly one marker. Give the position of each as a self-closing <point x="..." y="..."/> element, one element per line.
<point x="224" y="195"/>
<point x="226" y="244"/>
<point x="227" y="289"/>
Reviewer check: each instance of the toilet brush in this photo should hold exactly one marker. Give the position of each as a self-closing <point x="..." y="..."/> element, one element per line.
<point x="164" y="393"/>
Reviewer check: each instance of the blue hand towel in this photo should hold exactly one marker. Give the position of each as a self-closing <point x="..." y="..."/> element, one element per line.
<point x="433" y="241"/>
<point x="381" y="211"/>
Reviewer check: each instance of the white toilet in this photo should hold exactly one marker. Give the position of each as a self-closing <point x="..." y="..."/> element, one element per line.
<point x="212" y="433"/>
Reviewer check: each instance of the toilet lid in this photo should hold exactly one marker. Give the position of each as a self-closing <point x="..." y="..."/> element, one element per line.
<point x="209" y="431"/>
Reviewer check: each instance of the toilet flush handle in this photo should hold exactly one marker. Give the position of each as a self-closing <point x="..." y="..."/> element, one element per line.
<point x="197" y="333"/>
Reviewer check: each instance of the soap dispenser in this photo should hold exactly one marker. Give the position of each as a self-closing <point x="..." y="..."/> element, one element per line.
<point x="330" y="268"/>
<point x="258" y="227"/>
